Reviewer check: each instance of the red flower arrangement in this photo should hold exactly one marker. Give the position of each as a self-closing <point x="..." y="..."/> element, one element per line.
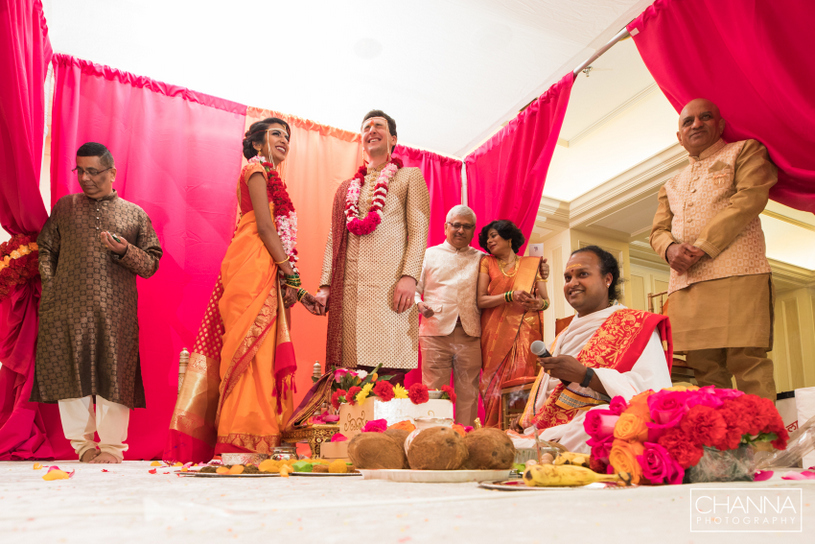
<point x="350" y="398"/>
<point x="417" y="393"/>
<point x="383" y="390"/>
<point x="338" y="398"/>
<point x="658" y="435"/>
<point x="19" y="262"/>
<point x="448" y="393"/>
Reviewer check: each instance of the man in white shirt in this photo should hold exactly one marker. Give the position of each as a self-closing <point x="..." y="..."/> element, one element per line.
<point x="450" y="332"/>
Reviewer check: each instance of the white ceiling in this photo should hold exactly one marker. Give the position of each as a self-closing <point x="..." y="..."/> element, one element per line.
<point x="450" y="71"/>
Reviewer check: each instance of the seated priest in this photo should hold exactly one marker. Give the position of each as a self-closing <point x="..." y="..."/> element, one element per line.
<point x="607" y="350"/>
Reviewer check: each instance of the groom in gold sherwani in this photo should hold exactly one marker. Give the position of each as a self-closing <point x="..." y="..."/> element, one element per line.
<point x="369" y="279"/>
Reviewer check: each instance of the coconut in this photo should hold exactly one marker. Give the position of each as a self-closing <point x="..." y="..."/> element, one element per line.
<point x="437" y="448"/>
<point x="489" y="449"/>
<point x="399" y="435"/>
<point x="375" y="450"/>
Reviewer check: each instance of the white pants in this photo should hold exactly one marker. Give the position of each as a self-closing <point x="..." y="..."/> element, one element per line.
<point x="79" y="423"/>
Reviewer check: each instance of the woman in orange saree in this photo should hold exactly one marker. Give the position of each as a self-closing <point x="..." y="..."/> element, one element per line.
<point x="237" y="392"/>
<point x="512" y="296"/>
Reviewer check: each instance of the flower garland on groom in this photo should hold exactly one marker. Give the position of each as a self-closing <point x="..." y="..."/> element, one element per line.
<point x="373" y="258"/>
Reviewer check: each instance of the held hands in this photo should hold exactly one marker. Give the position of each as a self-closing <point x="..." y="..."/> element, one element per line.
<point x="119" y="248"/>
<point x="311" y="304"/>
<point x="404" y="294"/>
<point x="563" y="367"/>
<point x="682" y="256"/>
<point x="525" y="300"/>
<point x="321" y="301"/>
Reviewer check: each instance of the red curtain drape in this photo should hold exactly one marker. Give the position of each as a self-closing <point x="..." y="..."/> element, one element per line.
<point x="753" y="58"/>
<point x="25" y="52"/>
<point x="505" y="176"/>
<point x="178" y="156"/>
<point x="443" y="177"/>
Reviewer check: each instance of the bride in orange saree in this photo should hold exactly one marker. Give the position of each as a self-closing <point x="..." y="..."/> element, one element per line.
<point x="512" y="296"/>
<point x="238" y="390"/>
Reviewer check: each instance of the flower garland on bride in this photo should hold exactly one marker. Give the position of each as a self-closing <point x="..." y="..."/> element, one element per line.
<point x="369" y="223"/>
<point x="284" y="215"/>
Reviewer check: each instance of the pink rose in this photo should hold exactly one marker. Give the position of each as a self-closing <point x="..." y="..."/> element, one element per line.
<point x="375" y="426"/>
<point x="727" y="394"/>
<point x="601" y="448"/>
<point x="617" y="405"/>
<point x="705" y="396"/>
<point x="340" y="373"/>
<point x="658" y="467"/>
<point x="668" y="407"/>
<point x="339" y="437"/>
<point x="599" y="424"/>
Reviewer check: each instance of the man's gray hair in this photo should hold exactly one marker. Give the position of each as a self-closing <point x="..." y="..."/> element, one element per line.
<point x="462" y="210"/>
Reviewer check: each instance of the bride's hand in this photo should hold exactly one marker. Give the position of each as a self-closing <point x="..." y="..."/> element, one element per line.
<point x="311" y="304"/>
<point x="289" y="297"/>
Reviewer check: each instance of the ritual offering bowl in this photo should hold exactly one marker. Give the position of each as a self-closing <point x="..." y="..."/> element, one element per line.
<point x="243" y="458"/>
<point x="435" y="393"/>
<point x="284" y="453"/>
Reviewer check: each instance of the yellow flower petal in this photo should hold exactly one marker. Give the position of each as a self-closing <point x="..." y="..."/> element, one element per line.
<point x="55" y="475"/>
<point x="37" y="466"/>
<point x="155" y="464"/>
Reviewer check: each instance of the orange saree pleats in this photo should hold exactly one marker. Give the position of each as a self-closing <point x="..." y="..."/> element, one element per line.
<point x="507" y="332"/>
<point x="257" y="359"/>
<point x="237" y="394"/>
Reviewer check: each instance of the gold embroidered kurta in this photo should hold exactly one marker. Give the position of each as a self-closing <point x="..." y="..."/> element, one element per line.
<point x="88" y="341"/>
<point x="372" y="331"/>
<point x="725" y="299"/>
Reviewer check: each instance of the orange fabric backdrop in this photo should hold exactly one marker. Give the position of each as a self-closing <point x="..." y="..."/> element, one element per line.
<point x="320" y="158"/>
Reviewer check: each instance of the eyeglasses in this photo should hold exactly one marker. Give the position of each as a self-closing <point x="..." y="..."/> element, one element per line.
<point x="92" y="172"/>
<point x="458" y="226"/>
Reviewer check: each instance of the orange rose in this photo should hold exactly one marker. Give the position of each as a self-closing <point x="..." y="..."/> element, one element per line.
<point x="631" y="427"/>
<point x="623" y="457"/>
<point x="638" y="405"/>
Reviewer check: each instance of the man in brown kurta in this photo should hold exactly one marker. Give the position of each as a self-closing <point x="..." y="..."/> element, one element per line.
<point x="707" y="228"/>
<point x="91" y="250"/>
<point x="372" y="277"/>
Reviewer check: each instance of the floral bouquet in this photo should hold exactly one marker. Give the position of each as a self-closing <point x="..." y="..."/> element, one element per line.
<point x="704" y="433"/>
<point x="355" y="386"/>
<point x="19" y="262"/>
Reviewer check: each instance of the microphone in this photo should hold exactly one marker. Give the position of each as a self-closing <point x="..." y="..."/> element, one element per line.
<point x="539" y="349"/>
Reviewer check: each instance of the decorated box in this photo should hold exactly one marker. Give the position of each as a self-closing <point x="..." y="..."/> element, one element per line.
<point x="354" y="417"/>
<point x="334" y="450"/>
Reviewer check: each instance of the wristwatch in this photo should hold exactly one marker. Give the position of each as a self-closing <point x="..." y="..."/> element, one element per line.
<point x="587" y="378"/>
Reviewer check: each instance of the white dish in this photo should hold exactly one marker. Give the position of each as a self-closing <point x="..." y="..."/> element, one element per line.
<point x="434" y="476"/>
<point x="519" y="485"/>
<point x="325" y="474"/>
<point x="215" y="474"/>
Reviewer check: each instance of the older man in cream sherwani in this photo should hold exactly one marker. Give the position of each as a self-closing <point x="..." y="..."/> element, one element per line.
<point x="708" y="230"/>
<point x="450" y="333"/>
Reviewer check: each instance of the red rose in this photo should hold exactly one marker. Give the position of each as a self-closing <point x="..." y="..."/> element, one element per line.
<point x="450" y="392"/>
<point x="383" y="390"/>
<point x="352" y="394"/>
<point x="704" y="426"/>
<point x="418" y="393"/>
<point x="680" y="448"/>
<point x="335" y="398"/>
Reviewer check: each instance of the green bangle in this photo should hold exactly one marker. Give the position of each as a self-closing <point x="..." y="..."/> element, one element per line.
<point x="300" y="294"/>
<point x="508" y="296"/>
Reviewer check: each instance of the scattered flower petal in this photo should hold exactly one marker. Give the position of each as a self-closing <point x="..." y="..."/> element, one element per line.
<point x="54" y="473"/>
<point x="37" y="466"/>
<point x="155" y="464"/>
<point x="762" y="475"/>
<point x="805" y="475"/>
<point x="152" y="471"/>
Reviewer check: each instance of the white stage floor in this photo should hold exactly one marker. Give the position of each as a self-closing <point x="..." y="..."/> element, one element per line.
<point x="128" y="504"/>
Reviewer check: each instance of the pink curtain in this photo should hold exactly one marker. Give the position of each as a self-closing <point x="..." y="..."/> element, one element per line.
<point x="178" y="156"/>
<point x="25" y="52"/>
<point x="505" y="176"/>
<point x="443" y="177"/>
<point x="753" y="58"/>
